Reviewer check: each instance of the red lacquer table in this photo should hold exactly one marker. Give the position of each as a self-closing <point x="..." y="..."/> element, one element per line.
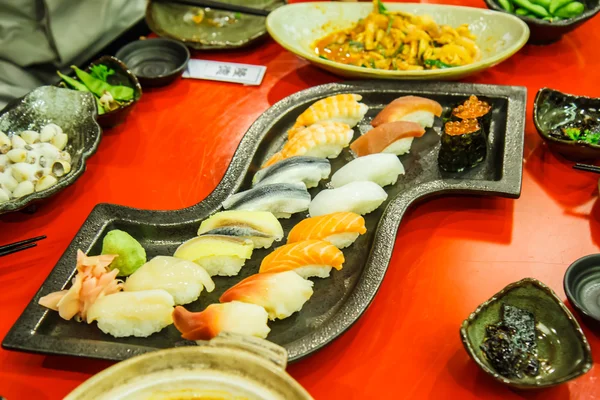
<point x="451" y="254"/>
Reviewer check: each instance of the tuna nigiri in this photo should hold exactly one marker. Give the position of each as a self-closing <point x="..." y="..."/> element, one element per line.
<point x="182" y="279"/>
<point x="262" y="227"/>
<point x="307" y="258"/>
<point x="409" y="108"/>
<point x="361" y="197"/>
<point x="308" y="170"/>
<point x="323" y="140"/>
<point x="217" y="254"/>
<point x="381" y="168"/>
<point x="344" y="108"/>
<point x="281" y="199"/>
<point x="392" y="137"/>
<point x="280" y="293"/>
<point x="234" y="317"/>
<point x="340" y="229"/>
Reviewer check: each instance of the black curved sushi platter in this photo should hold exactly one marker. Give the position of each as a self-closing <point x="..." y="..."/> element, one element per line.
<point x="339" y="300"/>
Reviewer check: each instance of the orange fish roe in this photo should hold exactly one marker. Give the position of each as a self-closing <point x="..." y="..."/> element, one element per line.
<point x="466" y="126"/>
<point x="472" y="108"/>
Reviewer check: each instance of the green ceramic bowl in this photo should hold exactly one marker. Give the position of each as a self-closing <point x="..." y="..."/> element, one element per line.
<point x="297" y="26"/>
<point x="560" y="339"/>
<point x="233" y="30"/>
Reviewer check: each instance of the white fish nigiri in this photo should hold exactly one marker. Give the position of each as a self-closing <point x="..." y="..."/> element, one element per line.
<point x="361" y="197"/>
<point x="282" y="199"/>
<point x="381" y="168"/>
<point x="183" y="279"/>
<point x="309" y="170"/>
<point x="280" y="293"/>
<point x="138" y="314"/>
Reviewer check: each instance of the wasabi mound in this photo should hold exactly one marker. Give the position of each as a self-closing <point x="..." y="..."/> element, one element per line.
<point x="131" y="254"/>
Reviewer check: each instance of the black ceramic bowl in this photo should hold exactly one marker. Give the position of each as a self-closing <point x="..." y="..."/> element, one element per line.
<point x="155" y="62"/>
<point x="552" y="108"/>
<point x="582" y="286"/>
<point x="545" y="32"/>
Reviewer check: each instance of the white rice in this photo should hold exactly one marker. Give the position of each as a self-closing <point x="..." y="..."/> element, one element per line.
<point x="399" y="147"/>
<point x="342" y="240"/>
<point x="221" y="265"/>
<point x="423" y="118"/>
<point x="317" y="271"/>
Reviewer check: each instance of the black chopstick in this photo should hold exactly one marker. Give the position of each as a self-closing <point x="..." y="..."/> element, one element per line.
<point x="587" y="167"/>
<point x="220" y="6"/>
<point x="18" y="246"/>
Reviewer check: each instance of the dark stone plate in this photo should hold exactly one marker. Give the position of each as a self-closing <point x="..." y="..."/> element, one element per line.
<point x="75" y="112"/>
<point x="339" y="300"/>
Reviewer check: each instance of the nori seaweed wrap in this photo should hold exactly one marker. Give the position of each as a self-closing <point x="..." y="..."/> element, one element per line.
<point x="473" y="108"/>
<point x="464" y="145"/>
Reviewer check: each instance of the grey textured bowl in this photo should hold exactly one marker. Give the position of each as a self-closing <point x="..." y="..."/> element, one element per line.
<point x="75" y="112"/>
<point x="562" y="342"/>
<point x="546" y="32"/>
<point x="582" y="286"/>
<point x="549" y="113"/>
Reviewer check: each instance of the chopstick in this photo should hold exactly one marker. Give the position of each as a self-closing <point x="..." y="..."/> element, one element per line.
<point x="220" y="6"/>
<point x="587" y="167"/>
<point x="19" y="246"/>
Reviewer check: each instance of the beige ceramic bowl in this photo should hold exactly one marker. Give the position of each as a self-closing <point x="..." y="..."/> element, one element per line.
<point x="229" y="367"/>
<point x="297" y="26"/>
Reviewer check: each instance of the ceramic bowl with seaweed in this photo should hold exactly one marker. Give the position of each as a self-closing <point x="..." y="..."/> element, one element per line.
<point x="74" y="112"/>
<point x="204" y="28"/>
<point x="569" y="124"/>
<point x="525" y="337"/>
<point x="546" y="32"/>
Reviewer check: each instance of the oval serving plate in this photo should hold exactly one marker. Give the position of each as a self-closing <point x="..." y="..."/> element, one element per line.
<point x="75" y="112"/>
<point x="337" y="301"/>
<point x="174" y="21"/>
<point x="297" y="26"/>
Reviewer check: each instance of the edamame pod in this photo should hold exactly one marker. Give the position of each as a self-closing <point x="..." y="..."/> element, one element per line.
<point x="543" y="3"/>
<point x="535" y="9"/>
<point x="507" y="5"/>
<point x="98" y="87"/>
<point x="556" y="4"/>
<point x="570" y="10"/>
<point x="75" y="84"/>
<point x="522" y="12"/>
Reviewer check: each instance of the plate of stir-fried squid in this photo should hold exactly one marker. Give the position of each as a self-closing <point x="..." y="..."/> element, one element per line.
<point x="397" y="40"/>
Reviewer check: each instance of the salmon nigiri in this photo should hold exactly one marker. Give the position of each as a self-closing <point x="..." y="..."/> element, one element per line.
<point x="340" y="229"/>
<point x="392" y="137"/>
<point x="409" y="108"/>
<point x="344" y="108"/>
<point x="234" y="317"/>
<point x="280" y="293"/>
<point x="307" y="258"/>
<point x="323" y="140"/>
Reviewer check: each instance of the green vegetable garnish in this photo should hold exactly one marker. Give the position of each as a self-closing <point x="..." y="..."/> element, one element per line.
<point x="573" y="133"/>
<point x="372" y="62"/>
<point x="75" y="84"/>
<point x="389" y="27"/>
<point x="131" y="254"/>
<point x="323" y="57"/>
<point x="437" y="63"/>
<point x="398" y="50"/>
<point x="381" y="8"/>
<point x="591" y="137"/>
<point x="356" y="46"/>
<point x="98" y="87"/>
<point x="237" y="15"/>
<point x="101" y="72"/>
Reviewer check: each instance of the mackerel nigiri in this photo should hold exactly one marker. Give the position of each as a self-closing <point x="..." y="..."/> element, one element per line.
<point x="280" y="293"/>
<point x="344" y="108"/>
<point x="323" y="139"/>
<point x="217" y="254"/>
<point x="309" y="170"/>
<point x="410" y="108"/>
<point x="392" y="137"/>
<point x="307" y="258"/>
<point x="282" y="199"/>
<point x="361" y="197"/>
<point x="340" y="229"/>
<point x="234" y="317"/>
<point x="381" y="168"/>
<point x="262" y="227"/>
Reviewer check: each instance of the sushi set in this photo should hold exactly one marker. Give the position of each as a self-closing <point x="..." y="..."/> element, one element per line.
<point x="294" y="242"/>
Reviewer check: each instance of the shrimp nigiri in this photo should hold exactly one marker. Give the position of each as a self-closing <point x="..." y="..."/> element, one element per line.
<point x="340" y="229"/>
<point x="392" y="137"/>
<point x="307" y="258"/>
<point x="280" y="293"/>
<point x="410" y="108"/>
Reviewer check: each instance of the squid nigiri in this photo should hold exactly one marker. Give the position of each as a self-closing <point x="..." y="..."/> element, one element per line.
<point x="182" y="279"/>
<point x="323" y="139"/>
<point x="234" y="317"/>
<point x="217" y="254"/>
<point x="133" y="313"/>
<point x="282" y="199"/>
<point x="340" y="229"/>
<point x="280" y="293"/>
<point x="307" y="258"/>
<point x="262" y="227"/>
<point x="344" y="108"/>
<point x="360" y="197"/>
<point x="381" y="168"/>
<point x="309" y="170"/>
<point x="392" y="137"/>
<point x="410" y="108"/>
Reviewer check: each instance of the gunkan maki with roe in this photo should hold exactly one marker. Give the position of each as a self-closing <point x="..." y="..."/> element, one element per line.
<point x="473" y="108"/>
<point x="464" y="145"/>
